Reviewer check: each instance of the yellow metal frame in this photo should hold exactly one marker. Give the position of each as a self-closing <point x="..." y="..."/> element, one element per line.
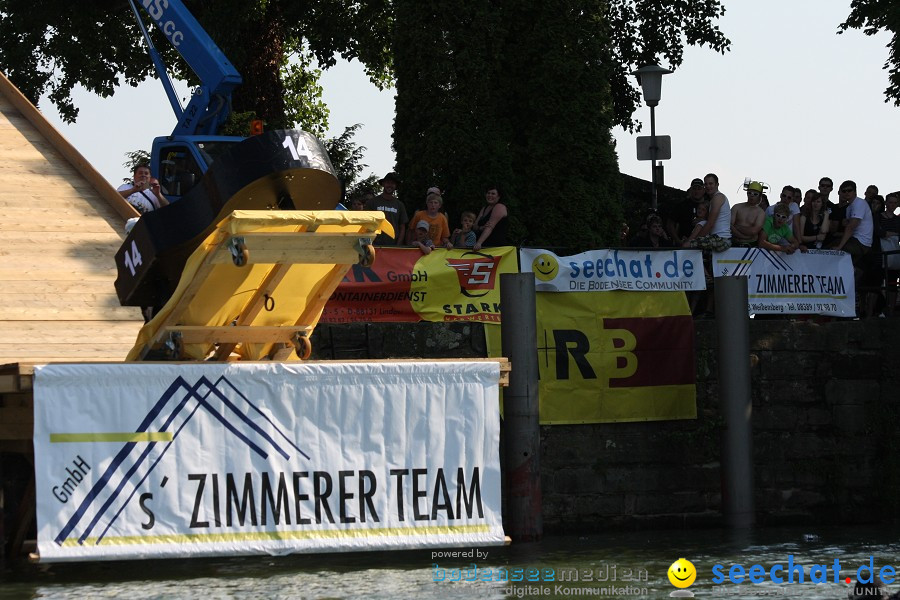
<point x="255" y="288"/>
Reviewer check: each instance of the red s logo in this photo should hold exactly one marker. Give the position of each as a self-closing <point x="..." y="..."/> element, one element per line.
<point x="475" y="274"/>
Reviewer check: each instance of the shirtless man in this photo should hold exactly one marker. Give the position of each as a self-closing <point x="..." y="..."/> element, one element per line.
<point x="715" y="235"/>
<point x="747" y="218"/>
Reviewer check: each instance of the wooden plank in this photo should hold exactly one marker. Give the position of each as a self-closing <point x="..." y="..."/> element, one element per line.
<point x="69" y="332"/>
<point x="42" y="195"/>
<point x="74" y="263"/>
<point x="49" y="187"/>
<point x="78" y="208"/>
<point x="86" y="352"/>
<point x="93" y="250"/>
<point x="57" y="225"/>
<point x="10" y="273"/>
<point x="77" y="301"/>
<point x="29" y="253"/>
<point x="236" y="334"/>
<point x="65" y="239"/>
<point x="60" y="144"/>
<point x="75" y="313"/>
<point x="296" y="248"/>
<point x="57" y="288"/>
<point x="26" y="370"/>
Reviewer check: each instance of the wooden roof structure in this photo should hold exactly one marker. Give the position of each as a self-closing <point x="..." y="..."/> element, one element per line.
<point x="61" y="223"/>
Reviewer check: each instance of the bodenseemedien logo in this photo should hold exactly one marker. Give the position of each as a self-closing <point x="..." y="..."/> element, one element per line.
<point x="682" y="575"/>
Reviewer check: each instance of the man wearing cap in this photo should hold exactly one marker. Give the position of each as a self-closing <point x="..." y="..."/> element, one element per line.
<point x="747" y="218"/>
<point x="681" y="220"/>
<point x="394" y="210"/>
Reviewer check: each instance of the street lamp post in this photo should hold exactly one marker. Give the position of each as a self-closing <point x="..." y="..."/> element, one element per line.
<point x="650" y="78"/>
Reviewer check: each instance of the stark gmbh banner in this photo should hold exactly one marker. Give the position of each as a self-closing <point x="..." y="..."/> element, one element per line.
<point x="405" y="285"/>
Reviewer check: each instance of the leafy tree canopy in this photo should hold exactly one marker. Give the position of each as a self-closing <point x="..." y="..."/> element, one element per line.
<point x="50" y="46"/>
<point x="347" y="158"/>
<point x="874" y="16"/>
<point x="132" y="160"/>
<point x="524" y="94"/>
<point x="648" y="31"/>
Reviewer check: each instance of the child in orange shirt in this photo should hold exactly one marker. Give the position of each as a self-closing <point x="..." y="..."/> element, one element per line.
<point x="438" y="228"/>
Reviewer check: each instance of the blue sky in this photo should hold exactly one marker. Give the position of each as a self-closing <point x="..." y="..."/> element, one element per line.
<point x="790" y="103"/>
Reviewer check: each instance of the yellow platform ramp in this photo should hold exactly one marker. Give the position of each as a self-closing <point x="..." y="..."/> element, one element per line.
<point x="255" y="288"/>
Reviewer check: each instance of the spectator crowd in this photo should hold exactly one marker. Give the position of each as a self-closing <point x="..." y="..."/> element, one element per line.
<point x="429" y="228"/>
<point x="867" y="228"/>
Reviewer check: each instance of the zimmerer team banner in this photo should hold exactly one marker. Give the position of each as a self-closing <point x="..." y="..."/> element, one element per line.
<point x="815" y="282"/>
<point x="138" y="460"/>
<point x="666" y="270"/>
<point x="405" y="285"/>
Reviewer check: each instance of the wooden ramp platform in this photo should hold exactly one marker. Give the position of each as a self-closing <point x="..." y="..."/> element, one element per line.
<point x="61" y="224"/>
<point x="255" y="288"/>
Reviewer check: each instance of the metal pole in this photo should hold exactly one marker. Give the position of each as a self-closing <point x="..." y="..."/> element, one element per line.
<point x="520" y="407"/>
<point x="733" y="329"/>
<point x="653" y="153"/>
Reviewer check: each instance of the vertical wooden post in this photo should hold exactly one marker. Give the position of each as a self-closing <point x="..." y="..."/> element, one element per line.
<point x="520" y="407"/>
<point x="733" y="328"/>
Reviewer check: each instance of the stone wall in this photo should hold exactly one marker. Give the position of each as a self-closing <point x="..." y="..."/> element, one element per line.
<point x="825" y="419"/>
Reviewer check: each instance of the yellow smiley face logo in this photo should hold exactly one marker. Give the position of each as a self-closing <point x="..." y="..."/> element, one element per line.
<point x="682" y="573"/>
<point x="545" y="267"/>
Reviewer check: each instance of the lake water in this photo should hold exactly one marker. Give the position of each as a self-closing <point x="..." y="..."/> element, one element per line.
<point x="619" y="565"/>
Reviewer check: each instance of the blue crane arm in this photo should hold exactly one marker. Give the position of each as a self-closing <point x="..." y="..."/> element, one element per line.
<point x="210" y="103"/>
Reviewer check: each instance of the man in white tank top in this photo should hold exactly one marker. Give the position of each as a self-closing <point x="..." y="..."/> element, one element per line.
<point x="716" y="234"/>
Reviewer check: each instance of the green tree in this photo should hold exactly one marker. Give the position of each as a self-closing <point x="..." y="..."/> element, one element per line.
<point x="525" y="94"/>
<point x="644" y="32"/>
<point x="560" y="113"/>
<point x="874" y="16"/>
<point x="132" y="160"/>
<point x="50" y="46"/>
<point x="346" y="158"/>
<point x="450" y="128"/>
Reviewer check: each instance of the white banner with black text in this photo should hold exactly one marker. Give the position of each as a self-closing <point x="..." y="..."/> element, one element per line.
<point x="815" y="282"/>
<point x="157" y="460"/>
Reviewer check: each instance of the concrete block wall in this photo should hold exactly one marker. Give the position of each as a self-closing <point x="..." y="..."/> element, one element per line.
<point x="826" y="411"/>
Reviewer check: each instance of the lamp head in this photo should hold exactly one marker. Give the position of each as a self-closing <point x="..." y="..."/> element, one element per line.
<point x="650" y="78"/>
